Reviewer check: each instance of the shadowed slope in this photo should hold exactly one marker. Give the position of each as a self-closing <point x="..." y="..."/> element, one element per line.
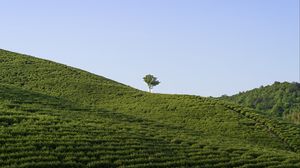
<point x="38" y="131"/>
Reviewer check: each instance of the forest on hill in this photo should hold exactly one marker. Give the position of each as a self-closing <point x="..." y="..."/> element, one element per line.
<point x="279" y="99"/>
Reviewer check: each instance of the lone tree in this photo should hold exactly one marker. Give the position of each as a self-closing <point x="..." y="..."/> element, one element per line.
<point x="151" y="81"/>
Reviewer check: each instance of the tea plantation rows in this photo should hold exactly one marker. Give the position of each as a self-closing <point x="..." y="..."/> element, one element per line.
<point x="32" y="136"/>
<point x="52" y="115"/>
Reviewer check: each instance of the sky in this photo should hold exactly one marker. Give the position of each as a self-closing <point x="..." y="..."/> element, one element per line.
<point x="199" y="47"/>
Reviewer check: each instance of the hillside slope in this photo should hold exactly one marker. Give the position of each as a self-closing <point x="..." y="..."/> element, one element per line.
<point x="52" y="115"/>
<point x="56" y="79"/>
<point x="279" y="99"/>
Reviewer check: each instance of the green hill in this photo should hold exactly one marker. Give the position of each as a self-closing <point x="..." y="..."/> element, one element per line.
<point x="279" y="99"/>
<point x="52" y="115"/>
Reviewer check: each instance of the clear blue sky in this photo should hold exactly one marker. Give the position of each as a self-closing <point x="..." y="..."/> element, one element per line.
<point x="202" y="47"/>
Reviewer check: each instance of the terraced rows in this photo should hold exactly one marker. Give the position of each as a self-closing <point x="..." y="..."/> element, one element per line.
<point x="109" y="139"/>
<point x="201" y="115"/>
<point x="288" y="133"/>
<point x="52" y="115"/>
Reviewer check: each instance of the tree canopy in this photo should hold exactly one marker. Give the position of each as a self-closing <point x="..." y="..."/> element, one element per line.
<point x="279" y="99"/>
<point x="151" y="81"/>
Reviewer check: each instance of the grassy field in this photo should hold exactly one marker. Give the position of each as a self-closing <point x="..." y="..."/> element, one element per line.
<point x="52" y="115"/>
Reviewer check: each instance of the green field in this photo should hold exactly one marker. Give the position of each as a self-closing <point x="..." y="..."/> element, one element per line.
<point x="52" y="115"/>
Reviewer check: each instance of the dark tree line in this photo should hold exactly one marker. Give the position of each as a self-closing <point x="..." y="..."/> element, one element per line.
<point x="279" y="99"/>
